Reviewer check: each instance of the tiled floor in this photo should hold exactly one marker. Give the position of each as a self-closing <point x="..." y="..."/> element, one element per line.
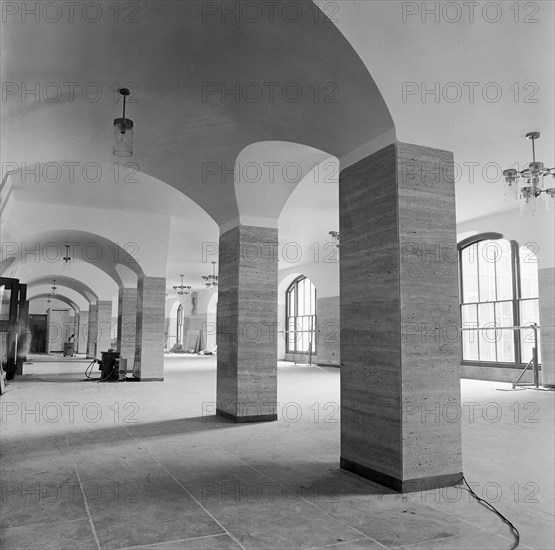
<point x="87" y="465"/>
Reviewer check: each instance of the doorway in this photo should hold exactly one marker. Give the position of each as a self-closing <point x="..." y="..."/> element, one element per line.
<point x="37" y="327"/>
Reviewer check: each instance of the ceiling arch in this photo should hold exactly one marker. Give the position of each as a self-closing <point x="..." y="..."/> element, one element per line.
<point x="59" y="297"/>
<point x="266" y="174"/>
<point x="64" y="281"/>
<point x="74" y="296"/>
<point x="310" y="87"/>
<point x="49" y="248"/>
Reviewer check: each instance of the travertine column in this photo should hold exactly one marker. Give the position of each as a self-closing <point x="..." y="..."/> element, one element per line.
<point x="400" y="387"/>
<point x="546" y="282"/>
<point x="149" y="335"/>
<point x="104" y="320"/>
<point x="328" y="331"/>
<point x="81" y="337"/>
<point x="92" y="331"/>
<point x="127" y="318"/>
<point x="247" y="324"/>
<point x="75" y="331"/>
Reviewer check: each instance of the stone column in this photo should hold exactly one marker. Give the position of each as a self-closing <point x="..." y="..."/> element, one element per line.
<point x="92" y="332"/>
<point x="24" y="335"/>
<point x="75" y="331"/>
<point x="546" y="282"/>
<point x="81" y="336"/>
<point x="327" y="310"/>
<point x="247" y="324"/>
<point x="149" y="335"/>
<point x="104" y="337"/>
<point x="400" y="380"/>
<point x="127" y="318"/>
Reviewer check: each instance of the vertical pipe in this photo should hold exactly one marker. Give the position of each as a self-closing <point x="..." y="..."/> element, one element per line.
<point x="535" y="356"/>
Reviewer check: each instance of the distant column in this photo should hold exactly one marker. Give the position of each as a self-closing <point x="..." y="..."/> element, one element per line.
<point x="127" y="319"/>
<point x="149" y="336"/>
<point x="247" y="324"/>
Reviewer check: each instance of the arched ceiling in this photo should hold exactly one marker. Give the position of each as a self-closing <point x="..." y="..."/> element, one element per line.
<point x="189" y="141"/>
<point x="267" y="174"/>
<point x="504" y="52"/>
<point x="102" y="284"/>
<point x="60" y="297"/>
<point x="68" y="282"/>
<point x="175" y="55"/>
<point x="48" y="248"/>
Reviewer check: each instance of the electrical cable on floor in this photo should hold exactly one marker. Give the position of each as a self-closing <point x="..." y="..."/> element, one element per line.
<point x="514" y="530"/>
<point x="88" y="370"/>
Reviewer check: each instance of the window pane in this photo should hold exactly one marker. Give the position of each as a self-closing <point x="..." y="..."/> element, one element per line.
<point x="469" y="316"/>
<point x="528" y="273"/>
<point x="488" y="338"/>
<point x="300" y="298"/>
<point x="469" y="267"/>
<point x="504" y="271"/>
<point x="5" y="297"/>
<point x="488" y="253"/>
<point x="529" y="313"/>
<point x="304" y="342"/>
<point x="505" y="338"/>
<point x="290" y="303"/>
<point x="307" y="310"/>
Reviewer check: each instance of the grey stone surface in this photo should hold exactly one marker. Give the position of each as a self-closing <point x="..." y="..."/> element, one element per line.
<point x="92" y="331"/>
<point x="127" y="320"/>
<point x="159" y="470"/>
<point x="327" y="310"/>
<point x="399" y="313"/>
<point x="149" y="336"/>
<point x="81" y="335"/>
<point x="104" y="320"/>
<point x="247" y="322"/>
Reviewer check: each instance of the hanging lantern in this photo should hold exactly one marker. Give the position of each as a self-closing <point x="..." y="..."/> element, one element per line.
<point x="123" y="132"/>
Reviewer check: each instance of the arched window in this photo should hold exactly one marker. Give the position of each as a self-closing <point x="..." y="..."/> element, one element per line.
<point x="499" y="288"/>
<point x="179" y="327"/>
<point x="300" y="315"/>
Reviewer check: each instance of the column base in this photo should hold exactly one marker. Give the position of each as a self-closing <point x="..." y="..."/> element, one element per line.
<point x="244" y="419"/>
<point x="402" y="485"/>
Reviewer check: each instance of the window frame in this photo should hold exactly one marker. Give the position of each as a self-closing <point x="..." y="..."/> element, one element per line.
<point x="294" y="288"/>
<point x="516" y="300"/>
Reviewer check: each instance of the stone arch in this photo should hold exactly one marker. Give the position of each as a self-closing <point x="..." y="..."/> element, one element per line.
<point x="48" y="247"/>
<point x="69" y="282"/>
<point x="59" y="297"/>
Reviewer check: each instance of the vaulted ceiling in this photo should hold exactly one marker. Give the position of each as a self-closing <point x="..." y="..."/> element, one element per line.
<point x="361" y="77"/>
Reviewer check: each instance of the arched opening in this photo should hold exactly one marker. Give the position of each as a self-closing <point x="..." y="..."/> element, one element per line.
<point x="300" y="320"/>
<point x="498" y="288"/>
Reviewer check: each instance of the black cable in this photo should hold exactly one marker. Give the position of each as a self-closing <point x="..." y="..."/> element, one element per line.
<point x="88" y="370"/>
<point x="514" y="530"/>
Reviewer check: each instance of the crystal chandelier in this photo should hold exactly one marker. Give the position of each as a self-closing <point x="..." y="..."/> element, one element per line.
<point x="182" y="290"/>
<point x="211" y="281"/>
<point x="532" y="185"/>
<point x="123" y="132"/>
